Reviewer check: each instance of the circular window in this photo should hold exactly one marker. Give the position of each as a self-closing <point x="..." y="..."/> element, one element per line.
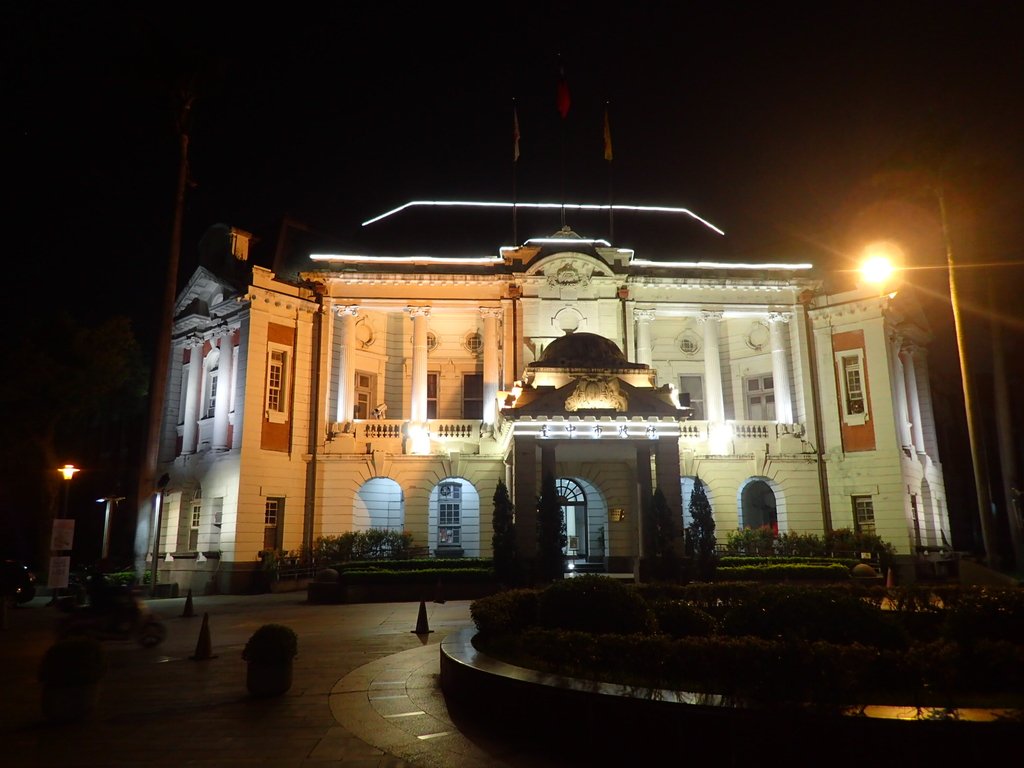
<point x="689" y="343"/>
<point x="474" y="342"/>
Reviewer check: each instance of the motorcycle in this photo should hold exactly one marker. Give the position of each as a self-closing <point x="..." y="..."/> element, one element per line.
<point x="119" y="615"/>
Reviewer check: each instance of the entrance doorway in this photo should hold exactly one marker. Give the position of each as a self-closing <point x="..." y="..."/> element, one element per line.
<point x="758" y="506"/>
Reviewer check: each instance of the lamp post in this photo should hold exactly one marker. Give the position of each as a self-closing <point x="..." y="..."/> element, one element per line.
<point x="110" y="502"/>
<point x="61" y="538"/>
<point x="880" y="262"/>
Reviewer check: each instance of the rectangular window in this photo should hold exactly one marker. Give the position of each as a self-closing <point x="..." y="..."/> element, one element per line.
<point x="193" y="529"/>
<point x="853" y="377"/>
<point x="864" y="514"/>
<point x="273" y="511"/>
<point x="691" y="391"/>
<point x="364" y="390"/>
<point x="760" y="393"/>
<point x="275" y="381"/>
<point x="211" y="395"/>
<point x="473" y="396"/>
<point x="449" y="515"/>
<point x="432" y="395"/>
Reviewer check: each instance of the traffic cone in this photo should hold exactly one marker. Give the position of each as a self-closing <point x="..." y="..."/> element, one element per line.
<point x="188" y="613"/>
<point x="203" y="647"/>
<point x="439" y="593"/>
<point x="422" y="628"/>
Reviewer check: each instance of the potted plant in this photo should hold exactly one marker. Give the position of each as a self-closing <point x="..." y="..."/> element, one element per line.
<point x="269" y="654"/>
<point x="70" y="673"/>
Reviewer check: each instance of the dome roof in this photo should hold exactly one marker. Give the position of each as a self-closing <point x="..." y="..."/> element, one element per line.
<point x="583" y="350"/>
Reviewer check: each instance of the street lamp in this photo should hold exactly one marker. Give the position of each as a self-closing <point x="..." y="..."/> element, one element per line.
<point x="61" y="538"/>
<point x="110" y="502"/>
<point x="881" y="261"/>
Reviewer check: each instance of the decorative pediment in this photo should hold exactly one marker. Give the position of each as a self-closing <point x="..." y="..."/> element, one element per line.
<point x="597" y="393"/>
<point x="570" y="273"/>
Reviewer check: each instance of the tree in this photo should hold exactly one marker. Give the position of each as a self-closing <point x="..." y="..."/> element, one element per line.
<point x="75" y="394"/>
<point x="702" y="532"/>
<point x="662" y="519"/>
<point x="551" y="538"/>
<point x="503" y="543"/>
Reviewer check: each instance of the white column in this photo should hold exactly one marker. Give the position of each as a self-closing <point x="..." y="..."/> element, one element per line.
<point x="643" y="318"/>
<point x="491" y="315"/>
<point x="418" y="401"/>
<point x="222" y="407"/>
<point x="714" y="402"/>
<point x="899" y="391"/>
<point x="190" y="419"/>
<point x="346" y="372"/>
<point x="777" y="321"/>
<point x="907" y="355"/>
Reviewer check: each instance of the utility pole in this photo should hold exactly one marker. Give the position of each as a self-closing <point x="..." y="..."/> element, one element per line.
<point x="147" y="475"/>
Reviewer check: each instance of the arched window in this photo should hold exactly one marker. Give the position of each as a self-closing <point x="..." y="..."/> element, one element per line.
<point x="574" y="512"/>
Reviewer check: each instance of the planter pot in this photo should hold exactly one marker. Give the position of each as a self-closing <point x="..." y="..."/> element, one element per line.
<point x="266" y="679"/>
<point x="69" y="703"/>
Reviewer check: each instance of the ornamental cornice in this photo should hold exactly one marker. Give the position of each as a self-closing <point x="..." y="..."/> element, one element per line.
<point x="418" y="311"/>
<point x="492" y="312"/>
<point x="707" y="315"/>
<point x="346" y="310"/>
<point x="644" y="315"/>
<point x="779" y="317"/>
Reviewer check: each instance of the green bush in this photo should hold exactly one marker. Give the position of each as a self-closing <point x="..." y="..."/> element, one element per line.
<point x="594" y="604"/>
<point x="504" y="613"/>
<point x="833" y="572"/>
<point x="680" y="619"/>
<point x="986" y="614"/>
<point x="409" y="576"/>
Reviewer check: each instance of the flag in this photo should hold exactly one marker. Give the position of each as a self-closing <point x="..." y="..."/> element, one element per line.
<point x="607" y="137"/>
<point x="515" y="135"/>
<point x="562" y="96"/>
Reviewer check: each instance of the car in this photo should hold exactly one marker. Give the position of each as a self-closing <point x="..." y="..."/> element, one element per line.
<point x="17" y="581"/>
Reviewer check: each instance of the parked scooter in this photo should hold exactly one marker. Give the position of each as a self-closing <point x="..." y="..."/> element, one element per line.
<point x="112" y="613"/>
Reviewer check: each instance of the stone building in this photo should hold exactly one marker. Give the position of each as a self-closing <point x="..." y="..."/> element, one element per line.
<point x="390" y="389"/>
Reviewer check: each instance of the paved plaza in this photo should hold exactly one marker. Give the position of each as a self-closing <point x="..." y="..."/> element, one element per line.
<point x="365" y="692"/>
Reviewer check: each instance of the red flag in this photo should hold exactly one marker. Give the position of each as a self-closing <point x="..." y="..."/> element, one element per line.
<point x="562" y="97"/>
<point x="515" y="135"/>
<point x="607" y="137"/>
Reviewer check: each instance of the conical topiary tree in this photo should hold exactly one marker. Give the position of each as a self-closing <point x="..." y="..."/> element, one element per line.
<point x="503" y="543"/>
<point x="702" y="532"/>
<point x="551" y="538"/>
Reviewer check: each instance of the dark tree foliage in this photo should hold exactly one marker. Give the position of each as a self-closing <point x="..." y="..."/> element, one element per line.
<point x="503" y="543"/>
<point x="702" y="532"/>
<point x="551" y="539"/>
<point x="665" y="534"/>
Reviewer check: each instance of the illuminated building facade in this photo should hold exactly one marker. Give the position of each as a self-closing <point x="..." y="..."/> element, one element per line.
<point x="396" y="390"/>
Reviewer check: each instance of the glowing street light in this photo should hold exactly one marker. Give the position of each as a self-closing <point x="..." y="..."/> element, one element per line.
<point x="881" y="261"/>
<point x="68" y="473"/>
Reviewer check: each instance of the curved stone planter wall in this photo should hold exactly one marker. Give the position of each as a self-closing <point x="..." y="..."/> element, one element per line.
<point x="598" y="721"/>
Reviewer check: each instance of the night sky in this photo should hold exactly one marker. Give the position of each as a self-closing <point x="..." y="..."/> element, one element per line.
<point x="801" y="130"/>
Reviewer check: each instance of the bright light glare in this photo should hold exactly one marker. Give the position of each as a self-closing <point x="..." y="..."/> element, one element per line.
<point x="881" y="260"/>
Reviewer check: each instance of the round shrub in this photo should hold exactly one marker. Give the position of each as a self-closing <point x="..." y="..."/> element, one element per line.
<point x="270" y="644"/>
<point x="680" y="619"/>
<point x="507" y="612"/>
<point x="596" y="604"/>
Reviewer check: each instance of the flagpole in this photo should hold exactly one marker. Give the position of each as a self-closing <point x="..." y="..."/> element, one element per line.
<point x="515" y="164"/>
<point x="608" y="158"/>
<point x="562" y="101"/>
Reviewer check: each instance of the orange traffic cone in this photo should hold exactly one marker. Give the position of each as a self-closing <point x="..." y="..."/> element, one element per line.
<point x="422" y="628"/>
<point x="203" y="647"/>
<point x="188" y="613"/>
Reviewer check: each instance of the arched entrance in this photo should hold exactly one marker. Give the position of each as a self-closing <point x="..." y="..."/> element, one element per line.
<point x="379" y="504"/>
<point x="454" y="519"/>
<point x="574" y="512"/>
<point x="758" y="506"/>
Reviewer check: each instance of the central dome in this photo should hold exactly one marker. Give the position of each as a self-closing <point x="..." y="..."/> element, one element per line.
<point x="583" y="350"/>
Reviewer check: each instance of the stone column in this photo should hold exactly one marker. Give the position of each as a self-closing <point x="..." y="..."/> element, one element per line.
<point x="643" y="318"/>
<point x="222" y="406"/>
<point x="491" y="315"/>
<point x="525" y="492"/>
<point x="418" y="397"/>
<point x="907" y="355"/>
<point x="777" y="321"/>
<point x="190" y="419"/>
<point x="346" y="369"/>
<point x="899" y="391"/>
<point x="714" y="402"/>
